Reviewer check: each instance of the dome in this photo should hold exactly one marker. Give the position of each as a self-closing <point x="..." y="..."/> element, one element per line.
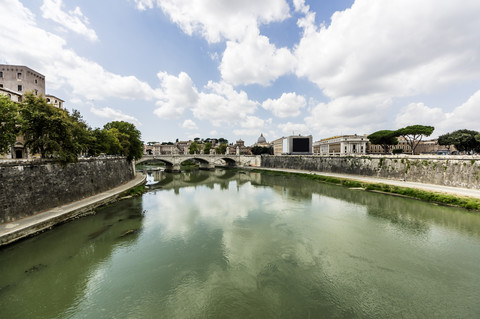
<point x="261" y="139"/>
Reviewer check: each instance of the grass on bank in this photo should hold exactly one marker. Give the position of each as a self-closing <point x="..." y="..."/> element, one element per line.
<point x="444" y="199"/>
<point x="135" y="191"/>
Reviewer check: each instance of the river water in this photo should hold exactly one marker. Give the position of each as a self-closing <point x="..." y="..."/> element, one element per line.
<point x="233" y="244"/>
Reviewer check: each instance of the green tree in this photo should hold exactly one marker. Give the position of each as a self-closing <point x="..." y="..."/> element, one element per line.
<point x="48" y="130"/>
<point x="385" y="138"/>
<point x="413" y="134"/>
<point x="207" y="148"/>
<point x="446" y="140"/>
<point x="193" y="148"/>
<point x="221" y="149"/>
<point x="465" y="140"/>
<point x="259" y="150"/>
<point x="129" y="138"/>
<point x="8" y="123"/>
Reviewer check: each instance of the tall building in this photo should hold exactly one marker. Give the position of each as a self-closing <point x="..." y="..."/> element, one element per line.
<point x="20" y="79"/>
<point x="15" y="81"/>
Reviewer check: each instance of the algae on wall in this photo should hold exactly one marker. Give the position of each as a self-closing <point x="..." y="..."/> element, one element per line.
<point x="457" y="171"/>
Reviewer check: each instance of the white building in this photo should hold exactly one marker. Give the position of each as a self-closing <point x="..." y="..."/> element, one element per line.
<point x="341" y="145"/>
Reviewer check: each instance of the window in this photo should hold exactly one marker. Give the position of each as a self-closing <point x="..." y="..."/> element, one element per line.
<point x="36" y="92"/>
<point x="1" y="85"/>
<point x="36" y="81"/>
<point x="1" y="74"/>
<point x="20" y="88"/>
<point x="19" y="75"/>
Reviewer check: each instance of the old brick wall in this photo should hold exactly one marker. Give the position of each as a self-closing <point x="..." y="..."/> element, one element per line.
<point x="31" y="186"/>
<point x="456" y="171"/>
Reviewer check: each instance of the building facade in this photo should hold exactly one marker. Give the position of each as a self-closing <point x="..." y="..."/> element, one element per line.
<point x="21" y="79"/>
<point x="341" y="145"/>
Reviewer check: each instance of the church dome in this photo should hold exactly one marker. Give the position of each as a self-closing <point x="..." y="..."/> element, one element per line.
<point x="261" y="139"/>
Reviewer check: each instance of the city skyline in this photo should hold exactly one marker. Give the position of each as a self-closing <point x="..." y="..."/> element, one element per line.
<point x="205" y="68"/>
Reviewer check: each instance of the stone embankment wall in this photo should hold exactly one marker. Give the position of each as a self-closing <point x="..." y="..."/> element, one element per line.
<point x="31" y="186"/>
<point x="456" y="171"/>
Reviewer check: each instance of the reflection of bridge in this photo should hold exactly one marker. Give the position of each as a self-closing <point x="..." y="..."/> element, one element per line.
<point x="173" y="162"/>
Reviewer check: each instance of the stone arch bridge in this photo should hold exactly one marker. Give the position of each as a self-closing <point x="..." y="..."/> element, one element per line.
<point x="206" y="161"/>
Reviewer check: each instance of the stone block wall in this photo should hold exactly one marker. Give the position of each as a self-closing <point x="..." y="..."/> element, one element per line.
<point x="456" y="171"/>
<point x="31" y="186"/>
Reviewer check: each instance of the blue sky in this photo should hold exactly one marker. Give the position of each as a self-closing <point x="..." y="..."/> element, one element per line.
<point x="238" y="68"/>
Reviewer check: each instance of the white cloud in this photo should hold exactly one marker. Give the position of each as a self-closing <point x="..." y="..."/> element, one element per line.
<point x="114" y="115"/>
<point x="254" y="60"/>
<point x="294" y="129"/>
<point x="288" y="105"/>
<point x="221" y="104"/>
<point x="218" y="19"/>
<point x="189" y="125"/>
<point x="177" y="94"/>
<point x="144" y="4"/>
<point x="398" y="47"/>
<point x="465" y="116"/>
<point x="23" y="42"/>
<point x="74" y="20"/>
<point x="348" y="115"/>
<point x="251" y="126"/>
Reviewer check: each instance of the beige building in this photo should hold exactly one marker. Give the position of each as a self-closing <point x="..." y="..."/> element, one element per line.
<point x="21" y="79"/>
<point x="341" y="145"/>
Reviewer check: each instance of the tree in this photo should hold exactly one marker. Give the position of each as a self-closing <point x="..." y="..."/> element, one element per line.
<point x="385" y="138"/>
<point x="8" y="123"/>
<point x="193" y="148"/>
<point x="259" y="150"/>
<point x="221" y="149"/>
<point x="221" y="140"/>
<point x="446" y="140"/>
<point x="129" y="138"/>
<point x="413" y="134"/>
<point x="152" y="143"/>
<point x="48" y="130"/>
<point x="464" y="140"/>
<point x="207" y="148"/>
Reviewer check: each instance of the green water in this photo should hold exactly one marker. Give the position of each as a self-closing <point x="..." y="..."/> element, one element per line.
<point x="230" y="244"/>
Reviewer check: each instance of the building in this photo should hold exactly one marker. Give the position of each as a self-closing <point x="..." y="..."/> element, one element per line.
<point x="238" y="148"/>
<point x="261" y="142"/>
<point x="15" y="81"/>
<point x="21" y="79"/>
<point x="341" y="145"/>
<point x="278" y="146"/>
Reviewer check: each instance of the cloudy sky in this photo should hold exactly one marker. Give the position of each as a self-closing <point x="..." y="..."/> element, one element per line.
<point x="238" y="68"/>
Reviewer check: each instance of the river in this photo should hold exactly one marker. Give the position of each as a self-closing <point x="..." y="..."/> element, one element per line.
<point x="241" y="244"/>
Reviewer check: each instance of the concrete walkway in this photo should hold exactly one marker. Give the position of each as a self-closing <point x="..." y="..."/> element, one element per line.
<point x="457" y="191"/>
<point x="10" y="232"/>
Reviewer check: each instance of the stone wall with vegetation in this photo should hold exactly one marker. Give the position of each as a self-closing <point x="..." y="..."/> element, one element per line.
<point x="457" y="171"/>
<point x="31" y="186"/>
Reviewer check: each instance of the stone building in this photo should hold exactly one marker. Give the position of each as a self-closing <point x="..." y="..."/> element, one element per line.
<point x="341" y="145"/>
<point x="21" y="79"/>
<point x="15" y="81"/>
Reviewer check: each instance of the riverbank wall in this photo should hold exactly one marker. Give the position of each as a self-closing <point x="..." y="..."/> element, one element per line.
<point x="28" y="187"/>
<point x="455" y="171"/>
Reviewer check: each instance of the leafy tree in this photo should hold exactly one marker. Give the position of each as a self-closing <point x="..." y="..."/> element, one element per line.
<point x="207" y="148"/>
<point x="193" y="149"/>
<point x="259" y="150"/>
<point x="48" y="130"/>
<point x="221" y="140"/>
<point x="8" y="123"/>
<point x="413" y="134"/>
<point x="129" y="138"/>
<point x="221" y="149"/>
<point x="82" y="133"/>
<point x="446" y="140"/>
<point x="385" y="138"/>
<point x="464" y="140"/>
<point x="152" y="143"/>
<point x="104" y="141"/>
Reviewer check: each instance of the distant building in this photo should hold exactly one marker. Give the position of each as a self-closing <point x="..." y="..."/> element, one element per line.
<point x="21" y="79"/>
<point x="15" y="81"/>
<point x="262" y="142"/>
<point x="341" y="145"/>
<point x="278" y="146"/>
<point x="238" y="148"/>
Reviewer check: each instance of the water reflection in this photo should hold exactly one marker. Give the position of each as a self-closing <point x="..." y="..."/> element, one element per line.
<point x="234" y="244"/>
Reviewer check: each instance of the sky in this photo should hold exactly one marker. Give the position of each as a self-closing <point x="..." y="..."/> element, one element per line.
<point x="238" y="68"/>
